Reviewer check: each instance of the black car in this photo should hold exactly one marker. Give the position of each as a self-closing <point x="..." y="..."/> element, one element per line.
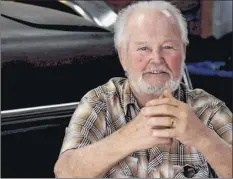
<point x="50" y="59"/>
<point x="51" y="56"/>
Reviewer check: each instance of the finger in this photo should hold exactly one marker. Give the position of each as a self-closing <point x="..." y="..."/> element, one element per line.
<point x="170" y="101"/>
<point x="161" y="96"/>
<point x="168" y="133"/>
<point x="160" y="110"/>
<point x="160" y="121"/>
<point x="167" y="94"/>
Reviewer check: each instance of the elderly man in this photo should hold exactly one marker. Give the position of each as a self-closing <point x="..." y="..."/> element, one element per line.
<point x="148" y="124"/>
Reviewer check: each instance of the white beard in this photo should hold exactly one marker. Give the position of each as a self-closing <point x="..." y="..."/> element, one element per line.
<point x="142" y="87"/>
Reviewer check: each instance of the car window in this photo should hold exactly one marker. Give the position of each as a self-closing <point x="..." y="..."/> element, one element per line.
<point x="51" y="57"/>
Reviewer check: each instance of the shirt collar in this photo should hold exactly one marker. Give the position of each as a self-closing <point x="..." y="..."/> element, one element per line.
<point x="128" y="97"/>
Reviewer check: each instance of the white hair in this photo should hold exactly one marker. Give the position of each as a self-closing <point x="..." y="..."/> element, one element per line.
<point x="163" y="6"/>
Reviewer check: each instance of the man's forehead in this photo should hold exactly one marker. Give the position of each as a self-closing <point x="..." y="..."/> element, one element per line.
<point x="153" y="23"/>
<point x="140" y="18"/>
<point x="142" y="15"/>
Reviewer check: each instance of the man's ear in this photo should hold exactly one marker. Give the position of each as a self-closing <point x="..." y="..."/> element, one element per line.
<point x="122" y="58"/>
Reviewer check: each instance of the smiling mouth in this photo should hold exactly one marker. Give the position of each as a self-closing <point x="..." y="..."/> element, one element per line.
<point x="156" y="72"/>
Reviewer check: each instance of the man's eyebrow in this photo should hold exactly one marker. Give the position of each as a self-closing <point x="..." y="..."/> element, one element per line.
<point x="173" y="41"/>
<point x="140" y="43"/>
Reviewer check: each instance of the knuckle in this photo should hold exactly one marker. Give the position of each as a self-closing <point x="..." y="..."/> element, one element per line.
<point x="152" y="102"/>
<point x="166" y="109"/>
<point x="168" y="100"/>
<point x="182" y="130"/>
<point x="151" y="132"/>
<point x="148" y="123"/>
<point x="170" y="140"/>
<point x="167" y="141"/>
<point x="144" y="111"/>
<point x="184" y="114"/>
<point x="154" y="121"/>
<point x="169" y="133"/>
<point x="169" y="120"/>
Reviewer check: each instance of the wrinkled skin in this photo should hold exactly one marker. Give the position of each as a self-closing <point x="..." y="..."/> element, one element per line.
<point x="153" y="43"/>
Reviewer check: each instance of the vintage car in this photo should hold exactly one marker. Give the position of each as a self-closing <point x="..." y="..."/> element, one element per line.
<point x="51" y="56"/>
<point x="50" y="59"/>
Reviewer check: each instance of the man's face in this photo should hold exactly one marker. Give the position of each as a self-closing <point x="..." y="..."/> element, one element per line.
<point x="154" y="53"/>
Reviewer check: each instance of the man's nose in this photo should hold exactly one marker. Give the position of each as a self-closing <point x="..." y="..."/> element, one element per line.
<point x="156" y="57"/>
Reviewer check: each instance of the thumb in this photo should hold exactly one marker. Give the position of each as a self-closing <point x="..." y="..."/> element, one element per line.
<point x="167" y="94"/>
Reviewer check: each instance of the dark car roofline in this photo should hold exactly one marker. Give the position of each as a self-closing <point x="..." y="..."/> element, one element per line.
<point x="57" y="27"/>
<point x="41" y="15"/>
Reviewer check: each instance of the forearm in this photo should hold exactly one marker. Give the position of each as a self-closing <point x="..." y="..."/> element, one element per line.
<point x="93" y="160"/>
<point x="218" y="153"/>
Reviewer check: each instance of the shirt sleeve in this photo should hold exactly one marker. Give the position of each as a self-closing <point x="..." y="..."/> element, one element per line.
<point x="87" y="125"/>
<point x="222" y="122"/>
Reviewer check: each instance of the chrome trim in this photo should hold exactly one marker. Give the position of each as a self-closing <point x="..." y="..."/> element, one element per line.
<point x="77" y="9"/>
<point x="99" y="12"/>
<point x="38" y="109"/>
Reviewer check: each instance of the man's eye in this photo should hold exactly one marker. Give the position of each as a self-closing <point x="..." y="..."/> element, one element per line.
<point x="168" y="47"/>
<point x="143" y="48"/>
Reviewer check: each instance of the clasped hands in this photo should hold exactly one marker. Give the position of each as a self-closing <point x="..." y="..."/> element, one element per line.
<point x="171" y="118"/>
<point x="162" y="120"/>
